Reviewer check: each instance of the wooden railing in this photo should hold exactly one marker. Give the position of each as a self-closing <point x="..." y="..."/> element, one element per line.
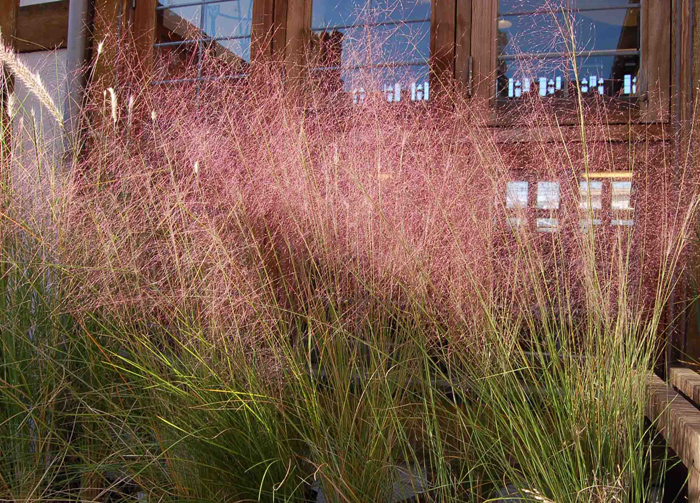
<point x="678" y="420"/>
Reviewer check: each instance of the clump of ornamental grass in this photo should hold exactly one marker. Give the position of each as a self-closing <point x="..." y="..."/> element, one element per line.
<point x="291" y="292"/>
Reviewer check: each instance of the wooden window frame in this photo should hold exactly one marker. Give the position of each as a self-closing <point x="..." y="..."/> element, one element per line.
<point x="462" y="47"/>
<point x="264" y="37"/>
<point x="445" y="22"/>
<point x="654" y="77"/>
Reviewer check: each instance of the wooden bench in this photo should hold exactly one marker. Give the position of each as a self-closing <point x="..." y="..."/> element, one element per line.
<point x="678" y="420"/>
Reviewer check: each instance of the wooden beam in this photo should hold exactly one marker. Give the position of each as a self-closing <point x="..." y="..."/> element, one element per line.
<point x="687" y="381"/>
<point x="483" y="45"/>
<point x="298" y="30"/>
<point x="442" y="43"/>
<point x="8" y="25"/>
<point x="621" y="133"/>
<point x="42" y="27"/>
<point x="144" y="31"/>
<point x="679" y="422"/>
<point x="9" y="10"/>
<point x="279" y="27"/>
<point x="262" y="29"/>
<point x="463" y="41"/>
<point x="656" y="67"/>
<point x="108" y="27"/>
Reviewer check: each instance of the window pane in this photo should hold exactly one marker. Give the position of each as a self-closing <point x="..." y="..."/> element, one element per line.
<point x="407" y="83"/>
<point x="608" y="75"/>
<point x="621" y="195"/>
<point x="506" y="6"/>
<point x="591" y="195"/>
<point x="228" y="19"/>
<point x="548" y="195"/>
<point x="173" y="3"/>
<point x="181" y="23"/>
<point x="378" y="45"/>
<point x="510" y="6"/>
<point x="596" y="4"/>
<point x="335" y="13"/>
<point x="532" y="33"/>
<point x="543" y="77"/>
<point x="516" y="195"/>
<point x="613" y="29"/>
<point x="362" y="46"/>
<point x="233" y="51"/>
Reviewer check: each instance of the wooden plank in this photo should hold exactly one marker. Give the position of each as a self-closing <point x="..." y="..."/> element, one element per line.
<point x="8" y="25"/>
<point x="442" y="43"/>
<point x="622" y="133"/>
<point x="679" y="423"/>
<point x="9" y="11"/>
<point x="298" y="30"/>
<point x="687" y="381"/>
<point x="463" y="41"/>
<point x="693" y="485"/>
<point x="685" y="86"/>
<point x="483" y="46"/>
<point x="108" y="27"/>
<point x="144" y="31"/>
<point x="42" y="27"/>
<point x="279" y="35"/>
<point x="262" y="29"/>
<point x="656" y="66"/>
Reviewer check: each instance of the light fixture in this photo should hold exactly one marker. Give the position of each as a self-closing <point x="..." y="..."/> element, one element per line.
<point x="504" y="24"/>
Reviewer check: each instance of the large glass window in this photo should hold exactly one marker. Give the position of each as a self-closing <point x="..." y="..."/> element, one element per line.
<point x="365" y="46"/>
<point x="551" y="48"/>
<point x="188" y="31"/>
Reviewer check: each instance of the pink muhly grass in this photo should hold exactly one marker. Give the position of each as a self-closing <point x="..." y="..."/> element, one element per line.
<point x="301" y="201"/>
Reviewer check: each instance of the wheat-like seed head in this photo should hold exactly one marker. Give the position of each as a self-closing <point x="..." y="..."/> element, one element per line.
<point x="29" y="79"/>
<point x="11" y="106"/>
<point x="113" y="102"/>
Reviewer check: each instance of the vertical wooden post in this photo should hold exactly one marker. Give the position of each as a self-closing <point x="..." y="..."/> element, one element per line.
<point x="144" y="31"/>
<point x="484" y="50"/>
<point x="279" y="29"/>
<point x="262" y="29"/>
<point x="442" y="44"/>
<point x="8" y="20"/>
<point x="8" y="26"/>
<point x="298" y="29"/>
<point x="693" y="485"/>
<point x="108" y="29"/>
<point x="656" y="69"/>
<point x="463" y="42"/>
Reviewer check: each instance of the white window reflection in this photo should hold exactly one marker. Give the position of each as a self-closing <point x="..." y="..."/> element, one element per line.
<point x="621" y="196"/>
<point x="622" y="222"/>
<point x="548" y="195"/>
<point x="590" y="222"/>
<point x="547" y="224"/>
<point x="516" y="194"/>
<point x="591" y="195"/>
<point x="515" y="222"/>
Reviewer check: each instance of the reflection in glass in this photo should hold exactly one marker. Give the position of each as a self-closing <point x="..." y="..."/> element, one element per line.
<point x="181" y="23"/>
<point x="548" y="195"/>
<point x="621" y="196"/>
<point x="591" y="195"/>
<point x="547" y="224"/>
<point x="516" y="194"/>
<point x="228" y="19"/>
<point x="364" y="46"/>
<point x="204" y="29"/>
<point x="535" y="47"/>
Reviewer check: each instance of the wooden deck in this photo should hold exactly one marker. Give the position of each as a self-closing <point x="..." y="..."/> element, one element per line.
<point x="678" y="420"/>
